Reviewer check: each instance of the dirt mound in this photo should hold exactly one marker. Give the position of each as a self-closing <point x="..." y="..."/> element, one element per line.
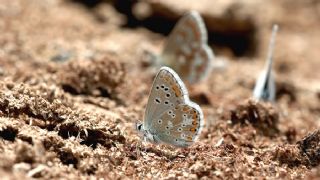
<point x="261" y="116"/>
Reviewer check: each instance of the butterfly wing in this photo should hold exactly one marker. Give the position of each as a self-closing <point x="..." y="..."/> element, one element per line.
<point x="187" y="51"/>
<point x="167" y="92"/>
<point x="170" y="116"/>
<point x="180" y="126"/>
<point x="265" y="88"/>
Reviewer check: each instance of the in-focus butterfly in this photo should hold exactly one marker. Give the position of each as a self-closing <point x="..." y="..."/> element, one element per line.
<point x="170" y="116"/>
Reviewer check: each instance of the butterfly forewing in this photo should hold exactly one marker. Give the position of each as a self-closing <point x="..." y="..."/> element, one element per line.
<point x="166" y="92"/>
<point x="186" y="50"/>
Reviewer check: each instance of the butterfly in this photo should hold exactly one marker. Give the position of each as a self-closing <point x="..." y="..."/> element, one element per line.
<point x="265" y="88"/>
<point x="186" y="50"/>
<point x="170" y="117"/>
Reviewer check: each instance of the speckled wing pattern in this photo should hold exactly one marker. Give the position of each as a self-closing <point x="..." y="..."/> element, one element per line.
<point x="170" y="116"/>
<point x="186" y="50"/>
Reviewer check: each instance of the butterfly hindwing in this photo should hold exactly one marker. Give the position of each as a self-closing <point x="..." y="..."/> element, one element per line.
<point x="180" y="125"/>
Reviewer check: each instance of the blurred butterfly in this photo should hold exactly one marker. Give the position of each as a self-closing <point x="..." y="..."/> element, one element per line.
<point x="170" y="116"/>
<point x="186" y="50"/>
<point x="265" y="88"/>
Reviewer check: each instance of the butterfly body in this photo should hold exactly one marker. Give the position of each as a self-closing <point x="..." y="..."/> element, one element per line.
<point x="170" y="116"/>
<point x="187" y="51"/>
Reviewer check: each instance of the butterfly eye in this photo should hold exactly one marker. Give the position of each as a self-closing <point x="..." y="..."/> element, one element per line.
<point x="160" y="121"/>
<point x="168" y="95"/>
<point x="166" y="88"/>
<point x="179" y="129"/>
<point x="184" y="115"/>
<point x="167" y="127"/>
<point x="162" y="86"/>
<point x="173" y="115"/>
<point x="157" y="87"/>
<point x="170" y="112"/>
<point x="166" y="102"/>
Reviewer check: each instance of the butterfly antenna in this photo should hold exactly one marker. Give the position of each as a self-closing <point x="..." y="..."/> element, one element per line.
<point x="271" y="46"/>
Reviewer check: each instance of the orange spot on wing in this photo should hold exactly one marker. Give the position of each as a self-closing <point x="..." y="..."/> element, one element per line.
<point x="193" y="129"/>
<point x="176" y="90"/>
<point x="185" y="109"/>
<point x="195" y="116"/>
<point x="166" y="78"/>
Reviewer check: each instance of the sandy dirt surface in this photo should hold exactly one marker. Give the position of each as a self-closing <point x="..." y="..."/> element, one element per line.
<point x="75" y="78"/>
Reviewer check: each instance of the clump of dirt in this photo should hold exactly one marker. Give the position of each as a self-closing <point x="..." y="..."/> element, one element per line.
<point x="305" y="152"/>
<point x="260" y="115"/>
<point x="101" y="77"/>
<point x="310" y="147"/>
<point x="41" y="102"/>
<point x="289" y="154"/>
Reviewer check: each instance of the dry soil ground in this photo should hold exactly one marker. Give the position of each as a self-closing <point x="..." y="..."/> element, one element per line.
<point x="74" y="78"/>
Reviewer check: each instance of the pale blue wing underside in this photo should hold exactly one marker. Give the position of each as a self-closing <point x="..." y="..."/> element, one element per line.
<point x="162" y="91"/>
<point x="265" y="88"/>
<point x="187" y="51"/>
<point x="170" y="116"/>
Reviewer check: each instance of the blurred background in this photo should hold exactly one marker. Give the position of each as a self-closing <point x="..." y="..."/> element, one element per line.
<point x="71" y="29"/>
<point x="40" y="31"/>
